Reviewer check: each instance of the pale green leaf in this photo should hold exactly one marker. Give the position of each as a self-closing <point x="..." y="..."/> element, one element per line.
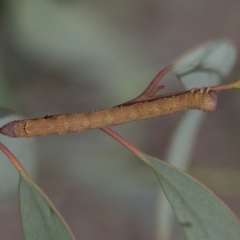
<point x="206" y="65"/>
<point x="179" y="155"/>
<point x="201" y="214"/>
<point x="40" y="220"/>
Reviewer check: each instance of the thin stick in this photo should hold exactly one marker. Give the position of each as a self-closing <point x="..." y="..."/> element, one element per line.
<point x="229" y="86"/>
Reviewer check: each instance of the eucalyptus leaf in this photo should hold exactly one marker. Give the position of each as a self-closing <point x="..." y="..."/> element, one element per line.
<point x="40" y="219"/>
<point x="179" y="155"/>
<point x="207" y="64"/>
<point x="199" y="211"/>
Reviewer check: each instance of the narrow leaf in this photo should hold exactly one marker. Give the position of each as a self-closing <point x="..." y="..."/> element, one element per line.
<point x="199" y="211"/>
<point x="206" y="65"/>
<point x="40" y="219"/>
<point x="178" y="155"/>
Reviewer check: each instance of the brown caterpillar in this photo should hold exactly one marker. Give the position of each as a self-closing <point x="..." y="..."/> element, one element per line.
<point x="77" y="122"/>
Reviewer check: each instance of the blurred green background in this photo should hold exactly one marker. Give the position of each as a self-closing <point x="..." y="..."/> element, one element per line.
<point x="72" y="56"/>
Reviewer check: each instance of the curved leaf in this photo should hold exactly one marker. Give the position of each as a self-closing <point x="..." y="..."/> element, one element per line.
<point x="40" y="219"/>
<point x="206" y="65"/>
<point x="201" y="214"/>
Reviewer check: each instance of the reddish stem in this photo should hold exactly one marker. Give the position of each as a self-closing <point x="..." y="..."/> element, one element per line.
<point x="13" y="159"/>
<point x="152" y="88"/>
<point x="232" y="85"/>
<point x="121" y="140"/>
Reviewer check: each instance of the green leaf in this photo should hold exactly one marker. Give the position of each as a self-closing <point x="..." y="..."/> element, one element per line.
<point x="206" y="65"/>
<point x="199" y="211"/>
<point x="179" y="155"/>
<point x="40" y="219"/>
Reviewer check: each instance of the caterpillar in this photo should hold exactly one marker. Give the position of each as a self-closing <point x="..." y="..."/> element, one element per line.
<point x="77" y="122"/>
